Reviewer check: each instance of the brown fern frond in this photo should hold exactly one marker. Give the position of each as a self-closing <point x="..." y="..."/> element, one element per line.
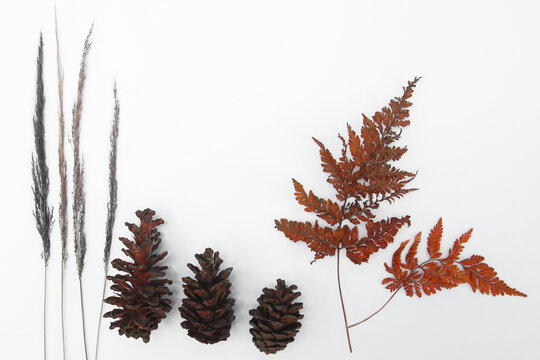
<point x="363" y="178"/>
<point x="379" y="235"/>
<point x="410" y="259"/>
<point x="320" y="240"/>
<point x="437" y="272"/>
<point x="483" y="278"/>
<point x="434" y="240"/>
<point x="327" y="210"/>
<point x="336" y="176"/>
<point x="459" y="244"/>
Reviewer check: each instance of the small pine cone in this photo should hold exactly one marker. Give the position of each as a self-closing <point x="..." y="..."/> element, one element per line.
<point x="275" y="320"/>
<point x="207" y="310"/>
<point x="139" y="293"/>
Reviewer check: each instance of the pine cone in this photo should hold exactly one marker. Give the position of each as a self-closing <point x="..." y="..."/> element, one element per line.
<point x="139" y="294"/>
<point x="207" y="310"/>
<point x="275" y="320"/>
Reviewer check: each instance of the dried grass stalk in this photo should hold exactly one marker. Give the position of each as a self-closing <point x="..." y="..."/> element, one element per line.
<point x="79" y="206"/>
<point x="112" y="205"/>
<point x="113" y="184"/>
<point x="40" y="182"/>
<point x="40" y="170"/>
<point x="62" y="169"/>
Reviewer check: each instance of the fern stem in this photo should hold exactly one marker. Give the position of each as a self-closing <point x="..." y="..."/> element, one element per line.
<point x="100" y="313"/>
<point x="376" y="312"/>
<point x="342" y="303"/>
<point x="45" y="311"/>
<point x="394" y="294"/>
<point x="83" y="322"/>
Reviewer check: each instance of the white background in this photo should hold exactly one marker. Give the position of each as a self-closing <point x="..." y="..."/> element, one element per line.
<point x="219" y="100"/>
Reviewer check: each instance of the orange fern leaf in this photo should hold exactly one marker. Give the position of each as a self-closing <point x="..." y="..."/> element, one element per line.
<point x="483" y="278"/>
<point x="327" y="210"/>
<point x="355" y="145"/>
<point x="396" y="262"/>
<point x="320" y="240"/>
<point x="329" y="165"/>
<point x="411" y="261"/>
<point x="434" y="240"/>
<point x="439" y="273"/>
<point x="379" y="235"/>
<point x="459" y="244"/>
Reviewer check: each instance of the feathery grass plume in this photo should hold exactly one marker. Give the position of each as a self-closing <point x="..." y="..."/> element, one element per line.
<point x="112" y="205"/>
<point x="40" y="181"/>
<point x="78" y="179"/>
<point x="62" y="169"/>
<point x="113" y="184"/>
<point x="40" y="170"/>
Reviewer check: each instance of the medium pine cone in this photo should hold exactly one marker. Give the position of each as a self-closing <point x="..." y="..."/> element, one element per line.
<point x="139" y="294"/>
<point x="275" y="320"/>
<point x="207" y="310"/>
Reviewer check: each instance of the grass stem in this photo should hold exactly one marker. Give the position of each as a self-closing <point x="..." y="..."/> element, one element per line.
<point x="45" y="311"/>
<point x="83" y="322"/>
<point x="100" y="314"/>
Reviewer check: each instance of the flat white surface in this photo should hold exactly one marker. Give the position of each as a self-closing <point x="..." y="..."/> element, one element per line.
<point x="219" y="100"/>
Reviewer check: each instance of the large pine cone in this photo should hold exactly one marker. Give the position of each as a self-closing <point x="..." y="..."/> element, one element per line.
<point x="207" y="310"/>
<point x="139" y="294"/>
<point x="275" y="320"/>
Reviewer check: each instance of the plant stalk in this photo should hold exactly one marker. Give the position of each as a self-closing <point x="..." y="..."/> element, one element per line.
<point x="83" y="322"/>
<point x="342" y="303"/>
<point x="45" y="312"/>
<point x="62" y="309"/>
<point x="62" y="209"/>
<point x="376" y="312"/>
<point x="101" y="313"/>
<point x="391" y="297"/>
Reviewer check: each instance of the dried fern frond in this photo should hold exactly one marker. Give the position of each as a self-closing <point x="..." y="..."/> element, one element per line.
<point x="442" y="272"/>
<point x="40" y="171"/>
<point x="363" y="177"/>
<point x="438" y="272"/>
